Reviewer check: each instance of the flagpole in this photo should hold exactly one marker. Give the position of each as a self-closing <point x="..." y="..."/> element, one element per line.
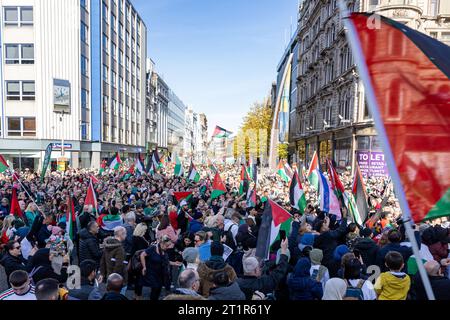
<point x="373" y="106"/>
<point x="25" y="189"/>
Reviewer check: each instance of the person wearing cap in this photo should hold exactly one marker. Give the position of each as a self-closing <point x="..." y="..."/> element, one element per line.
<point x="318" y="271"/>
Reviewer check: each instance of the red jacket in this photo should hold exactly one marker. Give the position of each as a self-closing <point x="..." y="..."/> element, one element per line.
<point x="173" y="215"/>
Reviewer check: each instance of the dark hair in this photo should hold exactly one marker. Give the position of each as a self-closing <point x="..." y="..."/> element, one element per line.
<point x="113" y="211"/>
<point x="318" y="224"/>
<point x="394" y="236"/>
<point x="394" y="260"/>
<point x="18" y="278"/>
<point x="87" y="267"/>
<point x="221" y="279"/>
<point x="10" y="245"/>
<point x="90" y="225"/>
<point x="352" y="227"/>
<point x="47" y="289"/>
<point x="306" y="250"/>
<point x="217" y="248"/>
<point x="165" y="222"/>
<point x="352" y="269"/>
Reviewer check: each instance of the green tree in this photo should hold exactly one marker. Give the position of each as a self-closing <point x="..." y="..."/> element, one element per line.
<point x="283" y="151"/>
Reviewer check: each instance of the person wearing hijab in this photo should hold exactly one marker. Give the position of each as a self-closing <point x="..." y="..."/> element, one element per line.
<point x="335" y="289"/>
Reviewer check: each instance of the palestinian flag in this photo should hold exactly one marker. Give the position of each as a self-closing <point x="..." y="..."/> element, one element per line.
<point x="139" y="166"/>
<point x="288" y="170"/>
<point x="244" y="185"/>
<point x="148" y="163"/>
<point x="94" y="179"/>
<point x="70" y="219"/>
<point x="274" y="219"/>
<point x="335" y="181"/>
<point x="218" y="187"/>
<point x="220" y="132"/>
<point x="3" y="164"/>
<point x="328" y="200"/>
<point x="162" y="162"/>
<point x="180" y="196"/>
<point x="15" y="207"/>
<point x="91" y="198"/>
<point x="282" y="172"/>
<point x="212" y="167"/>
<point x="296" y="194"/>
<point x="155" y="159"/>
<point x="178" y="171"/>
<point x="360" y="195"/>
<point x="313" y="171"/>
<point x="102" y="167"/>
<point x="193" y="174"/>
<point x="251" y="198"/>
<point x="110" y="221"/>
<point x="410" y="107"/>
<point x="115" y="162"/>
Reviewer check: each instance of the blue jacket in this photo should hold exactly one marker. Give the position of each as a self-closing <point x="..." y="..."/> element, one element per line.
<point x="195" y="226"/>
<point x="301" y="285"/>
<point x="406" y="252"/>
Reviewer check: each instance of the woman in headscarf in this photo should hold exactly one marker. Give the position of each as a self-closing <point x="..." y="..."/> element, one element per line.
<point x="335" y="289"/>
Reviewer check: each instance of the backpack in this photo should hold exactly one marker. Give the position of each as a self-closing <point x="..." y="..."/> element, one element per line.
<point x="354" y="293"/>
<point x="32" y="273"/>
<point x="230" y="239"/>
<point x="135" y="264"/>
<point x="318" y="274"/>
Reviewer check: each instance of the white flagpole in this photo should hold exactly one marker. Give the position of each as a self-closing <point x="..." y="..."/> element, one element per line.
<point x="373" y="106"/>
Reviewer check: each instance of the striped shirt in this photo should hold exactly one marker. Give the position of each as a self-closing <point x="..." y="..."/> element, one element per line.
<point x="11" y="295"/>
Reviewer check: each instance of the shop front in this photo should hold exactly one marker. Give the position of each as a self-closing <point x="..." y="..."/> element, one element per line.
<point x="310" y="148"/>
<point x="325" y="150"/>
<point x="369" y="154"/>
<point x="343" y="146"/>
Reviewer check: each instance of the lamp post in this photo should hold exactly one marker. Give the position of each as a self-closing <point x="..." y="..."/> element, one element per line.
<point x="62" y="134"/>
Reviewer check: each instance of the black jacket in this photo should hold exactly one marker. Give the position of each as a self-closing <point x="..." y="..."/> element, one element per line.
<point x="11" y="263"/>
<point x="114" y="296"/>
<point x="266" y="283"/>
<point x="368" y="249"/>
<point x="230" y="292"/>
<point x="85" y="290"/>
<point x="440" y="286"/>
<point x="139" y="243"/>
<point x="42" y="235"/>
<point x="41" y="267"/>
<point x="89" y="247"/>
<point x="406" y="252"/>
<point x="328" y="241"/>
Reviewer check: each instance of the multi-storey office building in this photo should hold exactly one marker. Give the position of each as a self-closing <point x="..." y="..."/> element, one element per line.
<point x="71" y="70"/>
<point x="175" y="124"/>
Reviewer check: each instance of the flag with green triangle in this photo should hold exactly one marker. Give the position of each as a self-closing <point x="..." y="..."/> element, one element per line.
<point x="193" y="174"/>
<point x="296" y="194"/>
<point x="218" y="187"/>
<point x="313" y="171"/>
<point x="245" y="181"/>
<point x="70" y="219"/>
<point x="178" y="171"/>
<point x="3" y="164"/>
<point x="282" y="172"/>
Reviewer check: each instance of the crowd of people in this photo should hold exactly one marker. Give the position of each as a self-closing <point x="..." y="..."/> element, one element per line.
<point x="141" y="239"/>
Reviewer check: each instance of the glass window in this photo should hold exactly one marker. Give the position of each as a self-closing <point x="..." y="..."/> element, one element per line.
<point x="84" y="66"/>
<point x="26" y="15"/>
<point x="113" y="21"/>
<point x="83" y="4"/>
<point x="364" y="143"/>
<point x="113" y="50"/>
<point x="120" y="30"/>
<point x="84" y="98"/>
<point x="28" y="90"/>
<point x="114" y="79"/>
<point x="434" y="7"/>
<point x="105" y="11"/>
<point x="105" y="73"/>
<point x="14" y="127"/>
<point x="105" y="42"/>
<point x="27" y="53"/>
<point x="12" y="54"/>
<point x="11" y="15"/>
<point x="29" y="126"/>
<point x="84" y="32"/>
<point x="13" y="90"/>
<point x="120" y="57"/>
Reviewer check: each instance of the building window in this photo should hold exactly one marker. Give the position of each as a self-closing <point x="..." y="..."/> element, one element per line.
<point x="113" y="50"/>
<point x="28" y="90"/>
<point x="21" y="127"/>
<point x="84" y="130"/>
<point x="19" y="53"/>
<point x="18" y="16"/>
<point x="114" y="79"/>
<point x="84" y="66"/>
<point x="113" y="21"/>
<point x="434" y="7"/>
<point x="84" y="32"/>
<point x="121" y="58"/>
<point x="114" y="107"/>
<point x="446" y="37"/>
<point x="120" y="30"/>
<point x="105" y="42"/>
<point x="20" y="90"/>
<point x="84" y="99"/>
<point x="105" y="103"/>
<point x="83" y="4"/>
<point x="105" y="73"/>
<point x="105" y="12"/>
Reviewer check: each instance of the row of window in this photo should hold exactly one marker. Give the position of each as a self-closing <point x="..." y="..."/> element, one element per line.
<point x="18" y="16"/>
<point x="19" y="53"/>
<point x="21" y="126"/>
<point x="20" y="90"/>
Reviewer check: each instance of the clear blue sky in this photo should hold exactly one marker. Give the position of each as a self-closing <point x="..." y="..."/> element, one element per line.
<point x="218" y="56"/>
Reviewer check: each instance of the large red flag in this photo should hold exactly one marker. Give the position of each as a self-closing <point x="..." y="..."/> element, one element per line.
<point x="410" y="76"/>
<point x="15" y="207"/>
<point x="91" y="199"/>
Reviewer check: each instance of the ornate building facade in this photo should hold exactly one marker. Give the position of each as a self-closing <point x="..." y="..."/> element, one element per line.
<point x="332" y="117"/>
